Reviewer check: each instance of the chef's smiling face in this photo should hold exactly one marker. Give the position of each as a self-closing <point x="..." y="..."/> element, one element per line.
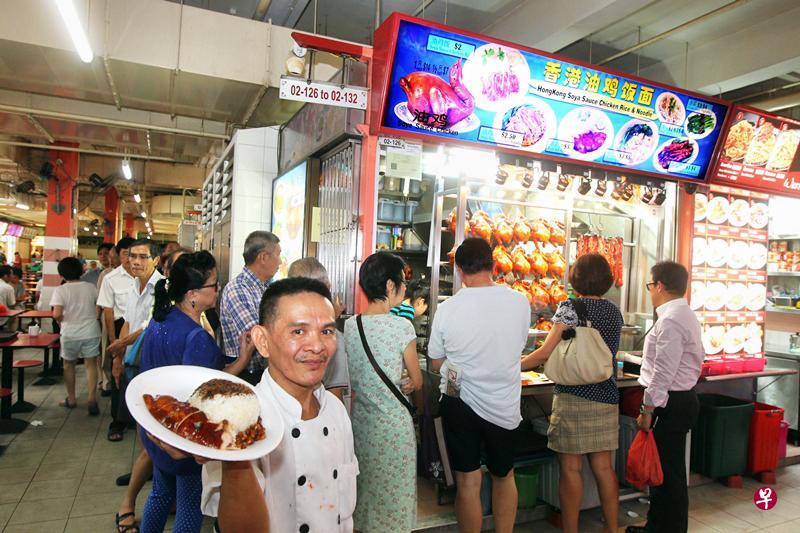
<point x="299" y="341"/>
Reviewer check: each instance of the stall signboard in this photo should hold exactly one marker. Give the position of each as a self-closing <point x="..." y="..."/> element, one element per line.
<point x="760" y="151"/>
<point x="318" y="92"/>
<point x="289" y="215"/>
<point x="14" y="230"/>
<point x="441" y="82"/>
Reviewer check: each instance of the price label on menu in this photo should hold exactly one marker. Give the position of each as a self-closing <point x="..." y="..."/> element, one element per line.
<point x="322" y="93"/>
<point x="510" y="138"/>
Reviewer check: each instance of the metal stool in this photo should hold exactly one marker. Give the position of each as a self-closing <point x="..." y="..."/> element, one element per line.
<point x="22" y="406"/>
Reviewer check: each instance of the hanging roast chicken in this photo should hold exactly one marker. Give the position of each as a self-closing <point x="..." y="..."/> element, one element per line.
<point x="434" y="102"/>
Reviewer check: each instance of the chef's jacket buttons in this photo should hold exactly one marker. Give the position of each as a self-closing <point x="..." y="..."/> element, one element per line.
<point x="304" y="528"/>
<point x="295" y="433"/>
<point x="335" y="473"/>
<point x="325" y="431"/>
<point x="301" y="480"/>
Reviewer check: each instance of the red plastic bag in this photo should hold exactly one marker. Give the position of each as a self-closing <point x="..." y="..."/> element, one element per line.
<point x="644" y="465"/>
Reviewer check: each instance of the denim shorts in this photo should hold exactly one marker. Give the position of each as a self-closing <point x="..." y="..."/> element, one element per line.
<point x="86" y="348"/>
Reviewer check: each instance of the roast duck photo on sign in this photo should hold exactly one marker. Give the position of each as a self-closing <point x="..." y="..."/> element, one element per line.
<point x="435" y="102"/>
<point x="528" y="254"/>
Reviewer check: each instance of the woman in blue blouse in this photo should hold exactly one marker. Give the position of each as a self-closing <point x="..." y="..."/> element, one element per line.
<point x="175" y="337"/>
<point x="585" y="418"/>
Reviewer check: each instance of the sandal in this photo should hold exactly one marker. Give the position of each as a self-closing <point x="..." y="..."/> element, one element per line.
<point x="126" y="528"/>
<point x="115" y="436"/>
<point x="93" y="409"/>
<point x="68" y="405"/>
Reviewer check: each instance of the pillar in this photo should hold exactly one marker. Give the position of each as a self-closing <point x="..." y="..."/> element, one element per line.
<point x="111" y="215"/>
<point x="130" y="226"/>
<point x="60" y="238"/>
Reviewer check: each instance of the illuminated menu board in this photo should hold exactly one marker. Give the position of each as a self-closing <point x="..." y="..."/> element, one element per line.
<point x="760" y="151"/>
<point x="465" y="88"/>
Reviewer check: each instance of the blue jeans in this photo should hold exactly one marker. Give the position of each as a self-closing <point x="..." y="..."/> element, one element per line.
<point x="185" y="491"/>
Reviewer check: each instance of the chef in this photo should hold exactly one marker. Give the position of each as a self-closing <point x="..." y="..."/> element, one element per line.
<point x="308" y="482"/>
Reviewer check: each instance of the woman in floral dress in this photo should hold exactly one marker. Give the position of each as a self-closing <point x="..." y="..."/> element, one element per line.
<point x="383" y="430"/>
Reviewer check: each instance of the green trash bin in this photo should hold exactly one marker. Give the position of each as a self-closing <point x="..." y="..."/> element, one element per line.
<point x="719" y="441"/>
<point x="527" y="479"/>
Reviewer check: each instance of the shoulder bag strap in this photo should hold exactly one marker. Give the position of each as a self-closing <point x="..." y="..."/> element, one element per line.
<point x="581" y="311"/>
<point x="392" y="387"/>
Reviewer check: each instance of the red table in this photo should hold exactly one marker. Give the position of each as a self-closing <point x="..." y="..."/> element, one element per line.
<point x="44" y="341"/>
<point x="56" y="366"/>
<point x="11" y="313"/>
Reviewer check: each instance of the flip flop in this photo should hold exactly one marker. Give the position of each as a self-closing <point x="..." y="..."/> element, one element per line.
<point x="93" y="409"/>
<point x="68" y="405"/>
<point x="115" y="436"/>
<point x="126" y="528"/>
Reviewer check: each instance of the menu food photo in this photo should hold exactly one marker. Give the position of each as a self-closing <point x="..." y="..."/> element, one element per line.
<point x="729" y="277"/>
<point x="462" y="87"/>
<point x="760" y="152"/>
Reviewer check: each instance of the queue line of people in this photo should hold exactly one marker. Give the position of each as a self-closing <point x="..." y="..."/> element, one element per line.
<point x="348" y="459"/>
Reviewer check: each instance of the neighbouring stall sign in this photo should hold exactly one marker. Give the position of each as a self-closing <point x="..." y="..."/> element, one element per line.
<point x="760" y="151"/>
<point x="466" y="88"/>
<point x="323" y="93"/>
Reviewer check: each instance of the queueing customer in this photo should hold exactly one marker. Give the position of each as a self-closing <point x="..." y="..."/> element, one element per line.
<point x="241" y="296"/>
<point x="104" y="372"/>
<point x="93" y="274"/>
<point x="175" y="337"/>
<point x="387" y="489"/>
<point x="113" y="298"/>
<point x="74" y="308"/>
<point x="477" y="354"/>
<point x="337" y="375"/>
<point x="671" y="364"/>
<point x="585" y="418"/>
<point x="415" y="303"/>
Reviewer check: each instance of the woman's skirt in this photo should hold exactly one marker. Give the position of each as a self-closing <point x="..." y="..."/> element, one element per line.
<point x="580" y="426"/>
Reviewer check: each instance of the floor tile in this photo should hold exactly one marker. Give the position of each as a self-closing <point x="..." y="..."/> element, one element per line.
<point x="85" y="524"/>
<point x="60" y="454"/>
<point x="60" y="471"/>
<point x="720" y="520"/>
<point x="21" y="459"/>
<point x="99" y="485"/>
<point x="41" y="511"/>
<point x="786" y="527"/>
<point x="51" y="526"/>
<point x="91" y="504"/>
<point x="12" y="493"/>
<point x="56" y="488"/>
<point x="12" y="476"/>
<point x="27" y="446"/>
<point x="6" y="510"/>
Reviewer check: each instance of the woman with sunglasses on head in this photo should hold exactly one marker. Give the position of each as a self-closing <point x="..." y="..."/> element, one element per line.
<point x="175" y="336"/>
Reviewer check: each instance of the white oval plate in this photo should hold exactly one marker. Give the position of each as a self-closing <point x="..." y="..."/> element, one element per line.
<point x="180" y="381"/>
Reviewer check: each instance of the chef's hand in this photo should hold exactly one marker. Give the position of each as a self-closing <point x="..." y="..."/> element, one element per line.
<point x="175" y="453"/>
<point x="116" y="369"/>
<point x="644" y="420"/>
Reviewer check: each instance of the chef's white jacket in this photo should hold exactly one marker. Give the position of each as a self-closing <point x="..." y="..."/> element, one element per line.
<point x="309" y="480"/>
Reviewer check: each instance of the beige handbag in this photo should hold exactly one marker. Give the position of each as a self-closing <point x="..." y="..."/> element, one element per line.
<point x="582" y="357"/>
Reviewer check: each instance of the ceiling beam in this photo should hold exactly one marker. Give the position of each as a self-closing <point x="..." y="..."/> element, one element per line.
<point x="119" y="155"/>
<point x="41" y="129"/>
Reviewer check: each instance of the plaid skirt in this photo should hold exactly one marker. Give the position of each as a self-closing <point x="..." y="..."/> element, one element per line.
<point x="580" y="426"/>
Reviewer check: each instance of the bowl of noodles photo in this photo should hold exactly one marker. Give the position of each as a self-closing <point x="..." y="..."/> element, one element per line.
<point x="785" y="148"/>
<point x="761" y="146"/>
<point x="738" y="140"/>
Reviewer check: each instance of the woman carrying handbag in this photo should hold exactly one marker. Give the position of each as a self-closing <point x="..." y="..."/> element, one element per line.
<point x="379" y="347"/>
<point x="584" y="418"/>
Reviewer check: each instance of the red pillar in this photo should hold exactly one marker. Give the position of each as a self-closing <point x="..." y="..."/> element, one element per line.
<point x="111" y="215"/>
<point x="60" y="236"/>
<point x="130" y="228"/>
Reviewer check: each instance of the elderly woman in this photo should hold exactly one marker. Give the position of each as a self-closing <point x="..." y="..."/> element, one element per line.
<point x="175" y="336"/>
<point x="585" y="419"/>
<point x="383" y="430"/>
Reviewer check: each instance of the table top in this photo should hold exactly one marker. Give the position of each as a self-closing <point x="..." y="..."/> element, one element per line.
<point x="37" y="314"/>
<point x="23" y="340"/>
<point x="749" y="375"/>
<point x="9" y="313"/>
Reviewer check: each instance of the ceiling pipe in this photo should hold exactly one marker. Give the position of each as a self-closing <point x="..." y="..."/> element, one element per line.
<point x="422" y="7"/>
<point x="41" y="129"/>
<point x="768" y="91"/>
<point x="19" y="110"/>
<point x="676" y="29"/>
<point x="261" y="10"/>
<point x="93" y="152"/>
<point x="778" y="103"/>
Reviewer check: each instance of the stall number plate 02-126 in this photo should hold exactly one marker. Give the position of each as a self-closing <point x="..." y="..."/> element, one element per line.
<point x="323" y="93"/>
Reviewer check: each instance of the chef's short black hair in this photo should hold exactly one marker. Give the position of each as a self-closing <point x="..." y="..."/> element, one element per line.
<point x="376" y="270"/>
<point x="287" y="287"/>
<point x="415" y="290"/>
<point x="474" y="255"/>
<point x="672" y="275"/>
<point x="591" y="275"/>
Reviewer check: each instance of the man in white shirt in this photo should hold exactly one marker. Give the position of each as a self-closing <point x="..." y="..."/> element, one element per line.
<point x="671" y="363"/>
<point x="477" y="338"/>
<point x="113" y="299"/>
<point x="7" y="297"/>
<point x="308" y="483"/>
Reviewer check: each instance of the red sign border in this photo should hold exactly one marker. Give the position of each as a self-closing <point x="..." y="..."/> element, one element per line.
<point x="717" y="159"/>
<point x="384" y="48"/>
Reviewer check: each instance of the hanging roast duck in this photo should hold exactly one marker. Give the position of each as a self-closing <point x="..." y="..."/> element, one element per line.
<point x="430" y="98"/>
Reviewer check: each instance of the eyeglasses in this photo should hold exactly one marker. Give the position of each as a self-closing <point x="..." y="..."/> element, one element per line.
<point x="650" y="285"/>
<point x="215" y="285"/>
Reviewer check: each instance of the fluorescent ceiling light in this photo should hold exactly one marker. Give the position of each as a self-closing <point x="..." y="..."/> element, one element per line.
<point x="23" y="205"/>
<point x="75" y="29"/>
<point x="86" y="228"/>
<point x="144" y="215"/>
<point x="137" y="198"/>
<point x="94" y="233"/>
<point x="126" y="169"/>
